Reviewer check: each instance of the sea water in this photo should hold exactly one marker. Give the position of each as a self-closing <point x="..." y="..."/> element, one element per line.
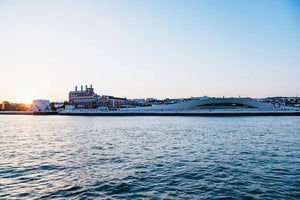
<point x="78" y="157"/>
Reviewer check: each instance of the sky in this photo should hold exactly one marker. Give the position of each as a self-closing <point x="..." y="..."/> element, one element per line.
<point x="149" y="48"/>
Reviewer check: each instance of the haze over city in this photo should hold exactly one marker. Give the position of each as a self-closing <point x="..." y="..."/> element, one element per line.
<point x="140" y="49"/>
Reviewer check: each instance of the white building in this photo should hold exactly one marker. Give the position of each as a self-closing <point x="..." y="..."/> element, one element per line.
<point x="40" y="105"/>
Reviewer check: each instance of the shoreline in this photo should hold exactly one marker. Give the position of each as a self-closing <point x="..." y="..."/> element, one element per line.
<point x="255" y="113"/>
<point x="27" y="113"/>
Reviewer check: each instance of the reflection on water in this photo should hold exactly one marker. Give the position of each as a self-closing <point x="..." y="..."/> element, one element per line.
<point x="149" y="157"/>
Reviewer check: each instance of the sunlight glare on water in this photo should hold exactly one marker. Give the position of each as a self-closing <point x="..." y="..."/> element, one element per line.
<point x="149" y="157"/>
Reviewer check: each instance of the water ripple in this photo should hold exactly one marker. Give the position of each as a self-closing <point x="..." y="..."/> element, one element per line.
<point x="149" y="157"/>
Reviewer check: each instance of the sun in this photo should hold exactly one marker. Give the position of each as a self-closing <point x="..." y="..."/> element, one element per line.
<point x="26" y="97"/>
<point x="27" y="100"/>
<point x="24" y="100"/>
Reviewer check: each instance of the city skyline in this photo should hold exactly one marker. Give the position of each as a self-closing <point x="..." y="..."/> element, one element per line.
<point x="140" y="49"/>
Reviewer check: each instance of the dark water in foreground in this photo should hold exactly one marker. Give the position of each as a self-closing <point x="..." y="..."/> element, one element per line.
<point x="45" y="157"/>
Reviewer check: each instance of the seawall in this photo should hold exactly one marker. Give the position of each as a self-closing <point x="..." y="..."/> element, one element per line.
<point x="188" y="114"/>
<point x="27" y="113"/>
<point x="154" y="114"/>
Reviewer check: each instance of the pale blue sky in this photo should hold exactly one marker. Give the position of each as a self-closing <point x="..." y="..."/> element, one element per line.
<point x="148" y="48"/>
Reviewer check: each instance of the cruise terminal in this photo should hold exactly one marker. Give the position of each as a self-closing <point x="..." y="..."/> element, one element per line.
<point x="87" y="102"/>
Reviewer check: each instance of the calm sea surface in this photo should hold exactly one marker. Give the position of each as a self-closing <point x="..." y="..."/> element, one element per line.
<point x="46" y="157"/>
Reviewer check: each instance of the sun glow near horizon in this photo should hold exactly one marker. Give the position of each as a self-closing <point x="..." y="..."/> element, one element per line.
<point x="25" y="96"/>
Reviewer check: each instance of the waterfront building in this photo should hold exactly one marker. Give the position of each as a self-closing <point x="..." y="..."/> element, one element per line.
<point x="86" y="101"/>
<point x="83" y="98"/>
<point x="6" y="106"/>
<point x="40" y="105"/>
